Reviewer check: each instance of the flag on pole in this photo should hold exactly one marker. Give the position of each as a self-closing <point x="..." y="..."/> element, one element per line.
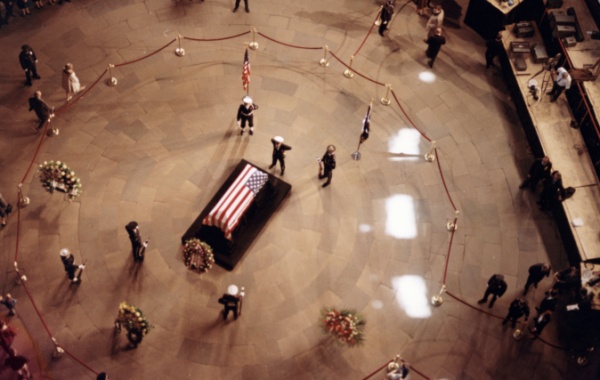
<point x="366" y="127"/>
<point x="228" y="211"/>
<point x="246" y="71"/>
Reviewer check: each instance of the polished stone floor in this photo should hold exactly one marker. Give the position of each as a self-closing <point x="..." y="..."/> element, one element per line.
<point x="157" y="146"/>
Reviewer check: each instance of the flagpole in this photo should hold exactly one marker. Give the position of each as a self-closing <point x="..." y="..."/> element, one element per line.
<point x="356" y="154"/>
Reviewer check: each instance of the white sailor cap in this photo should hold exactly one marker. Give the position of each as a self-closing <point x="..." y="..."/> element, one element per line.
<point x="247" y="100"/>
<point x="278" y="139"/>
<point x="65" y="252"/>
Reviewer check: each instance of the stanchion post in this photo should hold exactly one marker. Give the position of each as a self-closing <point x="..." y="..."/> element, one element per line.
<point x="430" y="156"/>
<point x="348" y="72"/>
<point x="58" y="350"/>
<point x="179" y="51"/>
<point x="52" y="131"/>
<point x="324" y="62"/>
<point x="20" y="278"/>
<point x="437" y="300"/>
<point x="253" y="45"/>
<point x="111" y="81"/>
<point x="518" y="334"/>
<point x="378" y="21"/>
<point x="453" y="226"/>
<point x="23" y="200"/>
<point x="386" y="99"/>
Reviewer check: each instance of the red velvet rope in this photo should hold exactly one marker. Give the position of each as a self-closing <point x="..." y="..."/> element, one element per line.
<point x="408" y="118"/>
<point x="286" y="44"/>
<point x="80" y="95"/>
<point x="443" y="179"/>
<point x="354" y="71"/>
<point x="368" y="34"/>
<point x="215" y="39"/>
<point x="391" y="361"/>
<point x="146" y="56"/>
<point x="37" y="150"/>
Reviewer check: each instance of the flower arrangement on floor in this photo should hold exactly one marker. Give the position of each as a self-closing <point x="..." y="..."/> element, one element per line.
<point x="198" y="255"/>
<point x="56" y="175"/>
<point x="132" y="319"/>
<point x="347" y="326"/>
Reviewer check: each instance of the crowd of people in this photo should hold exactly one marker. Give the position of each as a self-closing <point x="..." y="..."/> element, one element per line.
<point x="23" y="8"/>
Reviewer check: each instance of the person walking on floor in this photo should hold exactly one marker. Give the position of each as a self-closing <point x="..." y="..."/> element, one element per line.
<point x="496" y="287"/>
<point x="237" y="5"/>
<point x="435" y="21"/>
<point x="246" y="114"/>
<point x="5" y="210"/>
<point x="516" y="310"/>
<point x="327" y="165"/>
<point x="553" y="192"/>
<point x="386" y="16"/>
<point x="71" y="268"/>
<point x="10" y="303"/>
<point x="540" y="323"/>
<point x="138" y="247"/>
<point x="70" y="82"/>
<point x="42" y="110"/>
<point x="230" y="303"/>
<point x="279" y="149"/>
<point x="540" y="170"/>
<point x="548" y="302"/>
<point x="493" y="49"/>
<point x="434" y="44"/>
<point x="28" y="61"/>
<point x="537" y="272"/>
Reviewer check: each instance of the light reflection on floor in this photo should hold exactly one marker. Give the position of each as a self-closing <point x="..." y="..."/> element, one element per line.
<point x="411" y="295"/>
<point x="427" y="76"/>
<point x="400" y="217"/>
<point x="405" y="145"/>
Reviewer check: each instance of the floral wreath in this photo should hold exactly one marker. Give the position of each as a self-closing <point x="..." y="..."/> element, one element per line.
<point x="133" y="320"/>
<point x="56" y="175"/>
<point x="198" y="256"/>
<point x="347" y="326"/>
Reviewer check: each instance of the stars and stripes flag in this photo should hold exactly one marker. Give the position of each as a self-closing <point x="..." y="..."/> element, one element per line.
<point x="366" y="127"/>
<point x="246" y="71"/>
<point x="228" y="211"/>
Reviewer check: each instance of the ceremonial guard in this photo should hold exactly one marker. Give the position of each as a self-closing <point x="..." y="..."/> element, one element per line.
<point x="246" y="114"/>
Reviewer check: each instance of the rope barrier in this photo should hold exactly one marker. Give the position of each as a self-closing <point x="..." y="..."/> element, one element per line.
<point x="354" y="70"/>
<point x="146" y="56"/>
<point x="408" y="118"/>
<point x="368" y="34"/>
<point x="290" y="45"/>
<point x="216" y="39"/>
<point x="65" y="107"/>
<point x="444" y="180"/>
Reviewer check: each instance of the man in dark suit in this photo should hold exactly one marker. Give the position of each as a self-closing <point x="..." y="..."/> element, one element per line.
<point x="517" y="309"/>
<point x="279" y="149"/>
<point x="237" y="5"/>
<point x="230" y="303"/>
<point x="386" y="16"/>
<point x="42" y="110"/>
<point x="28" y="61"/>
<point x="553" y="193"/>
<point x="434" y="44"/>
<point x="540" y="170"/>
<point x="138" y="247"/>
<point x="548" y="303"/>
<point x="496" y="287"/>
<point x="327" y="164"/>
<point x="536" y="273"/>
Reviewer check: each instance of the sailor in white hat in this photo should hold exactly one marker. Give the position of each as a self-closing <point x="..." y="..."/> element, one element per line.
<point x="246" y="114"/>
<point x="279" y="149"/>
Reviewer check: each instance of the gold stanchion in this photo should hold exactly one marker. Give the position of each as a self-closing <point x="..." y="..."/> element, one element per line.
<point x="518" y="334"/>
<point x="20" y="278"/>
<point x="430" y="157"/>
<point x="324" y="62"/>
<point x="23" y="200"/>
<point x="378" y="21"/>
<point x="348" y="72"/>
<point x="180" y="52"/>
<point x="58" y="351"/>
<point x="453" y="226"/>
<point x="111" y="81"/>
<point x="437" y="300"/>
<point x="386" y="99"/>
<point x="253" y="45"/>
<point x="52" y="131"/>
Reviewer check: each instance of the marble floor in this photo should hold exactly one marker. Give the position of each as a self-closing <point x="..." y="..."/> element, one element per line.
<point x="155" y="148"/>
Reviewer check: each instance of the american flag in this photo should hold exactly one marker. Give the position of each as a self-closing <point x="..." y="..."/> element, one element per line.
<point x="366" y="127"/>
<point x="227" y="212"/>
<point x="246" y="71"/>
